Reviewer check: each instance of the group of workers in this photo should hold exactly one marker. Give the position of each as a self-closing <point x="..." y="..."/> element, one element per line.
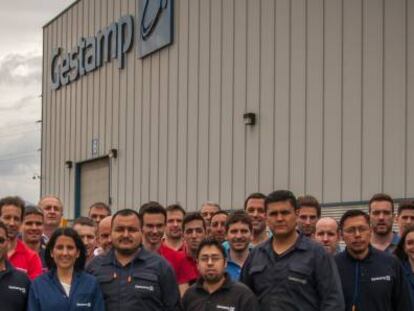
<point x="275" y="254"/>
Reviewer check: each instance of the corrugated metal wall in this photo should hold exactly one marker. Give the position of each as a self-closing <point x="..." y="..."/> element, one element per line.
<point x="332" y="83"/>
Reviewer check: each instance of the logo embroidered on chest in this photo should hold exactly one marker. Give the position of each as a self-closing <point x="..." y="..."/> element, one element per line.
<point x="83" y="304"/>
<point x="381" y="278"/>
<point x="226" y="308"/>
<point x="297" y="280"/>
<point x="21" y="289"/>
<point x="150" y="288"/>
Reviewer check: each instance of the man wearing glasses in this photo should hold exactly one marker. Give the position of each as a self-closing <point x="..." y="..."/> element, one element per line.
<point x="215" y="289"/>
<point x="371" y="279"/>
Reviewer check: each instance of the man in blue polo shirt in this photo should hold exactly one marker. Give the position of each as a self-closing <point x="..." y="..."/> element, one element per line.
<point x="238" y="236"/>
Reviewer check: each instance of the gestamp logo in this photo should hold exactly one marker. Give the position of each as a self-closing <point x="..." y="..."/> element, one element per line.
<point x="156" y="25"/>
<point x="153" y="31"/>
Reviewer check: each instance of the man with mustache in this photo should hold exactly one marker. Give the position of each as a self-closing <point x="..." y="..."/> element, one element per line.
<point x="381" y="213"/>
<point x="131" y="277"/>
<point x="215" y="290"/>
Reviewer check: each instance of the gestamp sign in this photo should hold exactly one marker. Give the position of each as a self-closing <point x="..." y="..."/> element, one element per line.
<point x="153" y="30"/>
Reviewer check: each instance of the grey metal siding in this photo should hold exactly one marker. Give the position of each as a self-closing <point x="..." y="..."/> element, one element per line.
<point x="331" y="82"/>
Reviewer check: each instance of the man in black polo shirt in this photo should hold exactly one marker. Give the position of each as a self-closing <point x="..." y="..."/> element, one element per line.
<point x="371" y="279"/>
<point x="14" y="284"/>
<point x="290" y="272"/>
<point x="131" y="277"/>
<point x="214" y="290"/>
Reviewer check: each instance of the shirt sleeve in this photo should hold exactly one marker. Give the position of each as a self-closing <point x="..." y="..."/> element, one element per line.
<point x="33" y="301"/>
<point x="328" y="283"/>
<point x="99" y="304"/>
<point x="169" y="289"/>
<point x="35" y="267"/>
<point x="249" y="302"/>
<point x="401" y="299"/>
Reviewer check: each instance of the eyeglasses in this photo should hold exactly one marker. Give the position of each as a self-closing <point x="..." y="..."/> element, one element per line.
<point x="354" y="230"/>
<point x="213" y="258"/>
<point x="2" y="240"/>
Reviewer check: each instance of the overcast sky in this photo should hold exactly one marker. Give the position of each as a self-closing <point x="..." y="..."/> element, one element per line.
<point x="21" y="24"/>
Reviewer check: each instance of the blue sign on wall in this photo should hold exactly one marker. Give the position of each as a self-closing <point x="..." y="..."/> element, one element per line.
<point x="155" y="25"/>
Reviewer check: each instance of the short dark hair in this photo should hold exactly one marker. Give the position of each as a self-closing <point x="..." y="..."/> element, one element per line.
<point x="174" y="208"/>
<point x="32" y="210"/>
<point x="152" y="207"/>
<point x="239" y="216"/>
<point x="399" y="250"/>
<point x="13" y="200"/>
<point x="84" y="221"/>
<point x="71" y="233"/>
<point x="211" y="242"/>
<point x="101" y="205"/>
<point x="193" y="216"/>
<point x="381" y="197"/>
<point x="4" y="227"/>
<point x="281" y="196"/>
<point x="255" y="195"/>
<point x="405" y="205"/>
<point x="352" y="213"/>
<point x="220" y="212"/>
<point x="125" y="212"/>
<point x="309" y="201"/>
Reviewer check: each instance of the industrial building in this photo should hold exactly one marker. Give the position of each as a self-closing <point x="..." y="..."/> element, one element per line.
<point x="194" y="100"/>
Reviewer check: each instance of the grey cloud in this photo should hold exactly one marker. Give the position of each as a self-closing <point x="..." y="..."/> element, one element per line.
<point x="20" y="69"/>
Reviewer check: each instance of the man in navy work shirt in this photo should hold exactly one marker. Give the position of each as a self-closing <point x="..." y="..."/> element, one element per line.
<point x="14" y="284"/>
<point x="131" y="277"/>
<point x="290" y="272"/>
<point x="371" y="279"/>
<point x="214" y="290"/>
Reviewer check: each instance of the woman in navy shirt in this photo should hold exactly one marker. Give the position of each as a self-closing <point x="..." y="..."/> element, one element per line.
<point x="405" y="252"/>
<point x="66" y="286"/>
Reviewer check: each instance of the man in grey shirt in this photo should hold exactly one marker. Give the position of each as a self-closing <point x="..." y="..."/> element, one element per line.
<point x="290" y="272"/>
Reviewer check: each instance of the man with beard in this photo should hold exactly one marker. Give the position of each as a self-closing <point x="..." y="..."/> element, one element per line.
<point x="32" y="231"/>
<point x="14" y="284"/>
<point x="52" y="208"/>
<point x="20" y="256"/>
<point x="131" y="277"/>
<point x="381" y="213"/>
<point x="215" y="290"/>
<point x="289" y="271"/>
<point x="308" y="214"/>
<point x="174" y="227"/>
<point x="254" y="207"/>
<point x="218" y="226"/>
<point x="371" y="279"/>
<point x="239" y="234"/>
<point x="194" y="230"/>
